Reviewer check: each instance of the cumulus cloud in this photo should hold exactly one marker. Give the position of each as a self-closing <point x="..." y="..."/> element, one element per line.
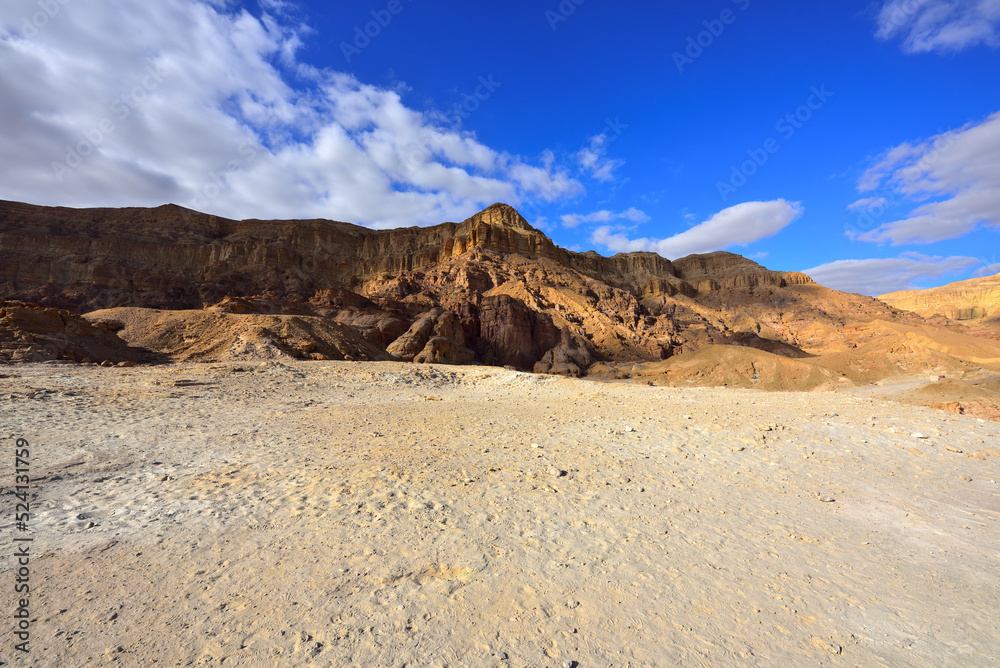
<point x="575" y="220"/>
<point x="738" y="225"/>
<point x="593" y="159"/>
<point x="940" y="25"/>
<point x="194" y="102"/>
<point x="957" y="176"/>
<point x="879" y="276"/>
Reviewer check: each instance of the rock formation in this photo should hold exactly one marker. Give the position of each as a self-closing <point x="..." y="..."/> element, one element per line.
<point x="490" y="289"/>
<point x="975" y="301"/>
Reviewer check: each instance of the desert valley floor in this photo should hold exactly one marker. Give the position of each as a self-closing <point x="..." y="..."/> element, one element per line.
<point x="384" y="514"/>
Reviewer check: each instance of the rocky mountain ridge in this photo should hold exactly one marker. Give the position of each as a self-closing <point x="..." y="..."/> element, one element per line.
<point x="491" y="289"/>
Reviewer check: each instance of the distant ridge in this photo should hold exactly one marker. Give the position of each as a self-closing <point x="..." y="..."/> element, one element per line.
<point x="972" y="301"/>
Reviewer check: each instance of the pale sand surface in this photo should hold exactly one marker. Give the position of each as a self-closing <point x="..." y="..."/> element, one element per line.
<point x="379" y="514"/>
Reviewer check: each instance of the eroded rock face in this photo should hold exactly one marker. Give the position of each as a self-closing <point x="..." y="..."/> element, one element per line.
<point x="971" y="302"/>
<point x="511" y="334"/>
<point x="571" y="357"/>
<point x="436" y="337"/>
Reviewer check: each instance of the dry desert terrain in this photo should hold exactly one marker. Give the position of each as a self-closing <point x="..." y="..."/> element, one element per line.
<point x="384" y="514"/>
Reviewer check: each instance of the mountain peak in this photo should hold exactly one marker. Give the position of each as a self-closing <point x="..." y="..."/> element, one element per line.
<point x="503" y="215"/>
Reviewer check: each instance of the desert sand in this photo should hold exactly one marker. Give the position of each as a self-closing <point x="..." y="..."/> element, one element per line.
<point x="291" y="513"/>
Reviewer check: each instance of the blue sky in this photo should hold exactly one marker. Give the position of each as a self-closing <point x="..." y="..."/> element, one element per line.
<point x="858" y="141"/>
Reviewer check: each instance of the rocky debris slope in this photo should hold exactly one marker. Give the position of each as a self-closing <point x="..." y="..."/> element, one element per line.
<point x="971" y="302"/>
<point x="30" y="333"/>
<point x="216" y="335"/>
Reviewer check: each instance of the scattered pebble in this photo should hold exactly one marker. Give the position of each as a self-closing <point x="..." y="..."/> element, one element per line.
<point x="501" y="655"/>
<point x="826" y="498"/>
<point x="572" y="604"/>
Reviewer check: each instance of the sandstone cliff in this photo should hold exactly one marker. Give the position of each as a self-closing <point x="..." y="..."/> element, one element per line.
<point x="970" y="302"/>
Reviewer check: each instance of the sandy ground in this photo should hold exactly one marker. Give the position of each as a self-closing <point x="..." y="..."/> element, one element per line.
<point x="379" y="514"/>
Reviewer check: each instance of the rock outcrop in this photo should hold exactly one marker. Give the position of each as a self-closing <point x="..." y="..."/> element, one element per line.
<point x="970" y="302"/>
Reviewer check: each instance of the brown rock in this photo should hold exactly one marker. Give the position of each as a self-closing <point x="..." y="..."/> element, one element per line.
<point x="30" y="333"/>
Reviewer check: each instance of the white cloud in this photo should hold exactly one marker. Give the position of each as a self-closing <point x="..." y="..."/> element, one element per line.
<point x="736" y="226"/>
<point x="193" y="102"/>
<point x="592" y="159"/>
<point x="880" y="276"/>
<point x="988" y="270"/>
<point x="940" y="25"/>
<point x="956" y="174"/>
<point x="634" y="215"/>
<point x="867" y="203"/>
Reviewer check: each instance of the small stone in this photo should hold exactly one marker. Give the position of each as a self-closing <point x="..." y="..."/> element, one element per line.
<point x="952" y="448"/>
<point x="826" y="498"/>
<point x="921" y="436"/>
<point x="629" y="428"/>
<point x="501" y="655"/>
<point x="687" y="417"/>
<point x="572" y="604"/>
<point x="569" y="664"/>
<point x="766" y="427"/>
<point x="559" y="473"/>
<point x="966" y="478"/>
